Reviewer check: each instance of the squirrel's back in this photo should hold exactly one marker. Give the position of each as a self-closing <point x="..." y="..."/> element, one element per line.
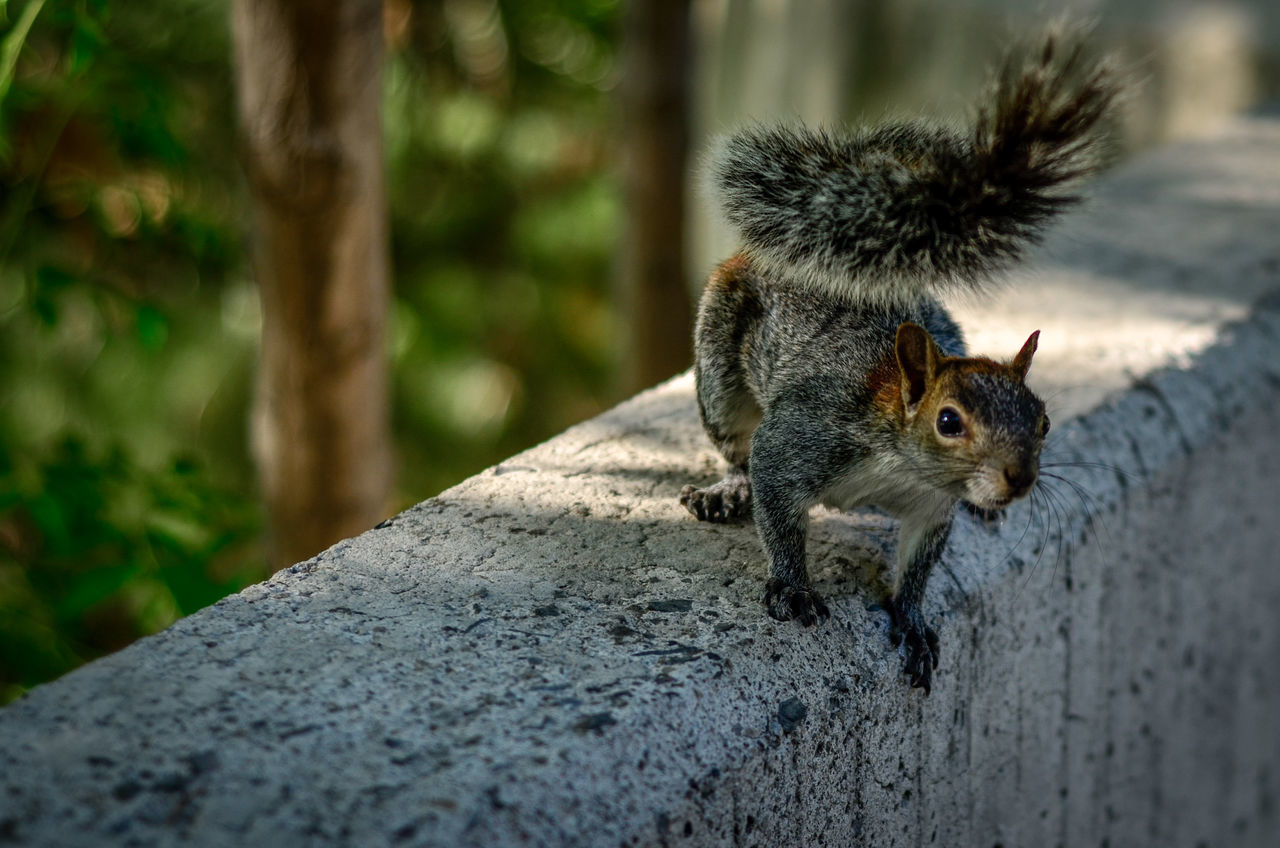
<point x="907" y="210"/>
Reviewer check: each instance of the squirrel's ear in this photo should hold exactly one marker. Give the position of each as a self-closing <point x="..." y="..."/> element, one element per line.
<point x="1022" y="362"/>
<point x="918" y="357"/>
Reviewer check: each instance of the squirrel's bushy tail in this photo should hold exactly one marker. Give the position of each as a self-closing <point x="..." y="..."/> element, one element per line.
<point x="905" y="210"/>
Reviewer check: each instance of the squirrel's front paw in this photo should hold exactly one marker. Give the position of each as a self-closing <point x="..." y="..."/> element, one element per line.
<point x="920" y="641"/>
<point x="786" y="602"/>
<point x="727" y="500"/>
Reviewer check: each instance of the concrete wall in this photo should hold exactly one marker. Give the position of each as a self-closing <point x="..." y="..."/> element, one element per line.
<point x="553" y="653"/>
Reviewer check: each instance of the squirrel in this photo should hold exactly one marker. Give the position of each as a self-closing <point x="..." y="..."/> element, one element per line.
<point x="827" y="370"/>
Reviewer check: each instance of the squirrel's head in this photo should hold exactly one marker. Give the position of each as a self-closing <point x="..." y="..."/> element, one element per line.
<point x="977" y="426"/>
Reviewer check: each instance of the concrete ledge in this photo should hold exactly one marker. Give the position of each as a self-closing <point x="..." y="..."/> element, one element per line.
<point x="552" y="653"/>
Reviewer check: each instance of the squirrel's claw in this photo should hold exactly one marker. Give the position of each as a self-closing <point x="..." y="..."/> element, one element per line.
<point x="786" y="603"/>
<point x="921" y="643"/>
<point x="922" y="659"/>
<point x="728" y="500"/>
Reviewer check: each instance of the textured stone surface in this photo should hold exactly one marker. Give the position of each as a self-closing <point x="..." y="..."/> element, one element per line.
<point x="553" y="653"/>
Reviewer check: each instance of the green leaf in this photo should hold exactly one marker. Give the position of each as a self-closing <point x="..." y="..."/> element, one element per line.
<point x="87" y="42"/>
<point x="12" y="43"/>
<point x="50" y="517"/>
<point x="87" y="589"/>
<point x="153" y="328"/>
<point x="178" y="532"/>
<point x="52" y="278"/>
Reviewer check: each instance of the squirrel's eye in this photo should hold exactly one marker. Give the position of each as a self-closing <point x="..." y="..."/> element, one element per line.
<point x="1044" y="426"/>
<point x="949" y="423"/>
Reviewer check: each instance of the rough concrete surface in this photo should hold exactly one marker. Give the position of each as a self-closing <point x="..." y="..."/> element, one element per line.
<point x="553" y="653"/>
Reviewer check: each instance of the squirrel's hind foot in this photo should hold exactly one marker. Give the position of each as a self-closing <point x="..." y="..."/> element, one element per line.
<point x="728" y="500"/>
<point x="921" y="642"/>
<point x="786" y="602"/>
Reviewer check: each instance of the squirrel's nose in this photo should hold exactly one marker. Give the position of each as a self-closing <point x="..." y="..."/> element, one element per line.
<point x="1020" y="478"/>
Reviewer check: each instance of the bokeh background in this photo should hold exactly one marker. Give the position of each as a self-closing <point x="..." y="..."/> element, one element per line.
<point x="520" y="138"/>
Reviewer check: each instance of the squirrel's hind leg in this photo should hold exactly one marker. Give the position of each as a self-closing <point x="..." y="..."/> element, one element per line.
<point x="726" y="405"/>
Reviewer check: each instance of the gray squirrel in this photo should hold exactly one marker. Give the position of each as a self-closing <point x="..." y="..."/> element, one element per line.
<point x="827" y="370"/>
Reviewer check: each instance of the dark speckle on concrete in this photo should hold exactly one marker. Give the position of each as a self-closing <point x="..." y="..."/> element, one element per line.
<point x="679" y="653"/>
<point x="675" y="605"/>
<point x="508" y="468"/>
<point x="203" y="762"/>
<point x="622" y="631"/>
<point x="594" y="721"/>
<point x="791" y="712"/>
<point x="126" y="790"/>
<point x="171" y="782"/>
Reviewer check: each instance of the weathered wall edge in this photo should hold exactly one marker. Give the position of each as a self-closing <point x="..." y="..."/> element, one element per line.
<point x="551" y="653"/>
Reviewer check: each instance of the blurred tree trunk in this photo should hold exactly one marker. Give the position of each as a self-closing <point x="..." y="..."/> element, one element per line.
<point x="308" y="78"/>
<point x="654" y="101"/>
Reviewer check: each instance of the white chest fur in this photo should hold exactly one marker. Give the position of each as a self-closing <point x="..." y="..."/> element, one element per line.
<point x="892" y="484"/>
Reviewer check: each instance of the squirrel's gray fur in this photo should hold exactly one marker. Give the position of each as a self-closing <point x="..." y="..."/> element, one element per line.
<point x="903" y="210"/>
<point x="828" y="373"/>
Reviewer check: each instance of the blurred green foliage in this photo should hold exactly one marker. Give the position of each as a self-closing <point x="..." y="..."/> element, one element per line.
<point x="503" y="217"/>
<point x="128" y="324"/>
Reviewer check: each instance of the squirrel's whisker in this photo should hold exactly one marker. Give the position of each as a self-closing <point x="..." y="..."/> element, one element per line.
<point x="1106" y="466"/>
<point x="1089" y="501"/>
